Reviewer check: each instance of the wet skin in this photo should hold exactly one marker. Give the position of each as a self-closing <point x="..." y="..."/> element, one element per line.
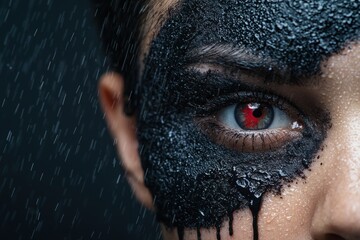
<point x="198" y="179"/>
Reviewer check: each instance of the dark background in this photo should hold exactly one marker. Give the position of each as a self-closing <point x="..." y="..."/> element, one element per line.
<point x="59" y="174"/>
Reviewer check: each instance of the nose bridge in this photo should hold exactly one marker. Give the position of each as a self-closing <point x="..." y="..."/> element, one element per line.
<point x="344" y="191"/>
<point x="353" y="157"/>
<point x="341" y="207"/>
<point x="338" y="214"/>
<point x="346" y="178"/>
<point x="347" y="134"/>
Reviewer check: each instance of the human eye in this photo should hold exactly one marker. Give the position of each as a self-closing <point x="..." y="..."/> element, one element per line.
<point x="253" y="122"/>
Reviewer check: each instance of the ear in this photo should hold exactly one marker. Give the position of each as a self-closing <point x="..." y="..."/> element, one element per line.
<point x="123" y="130"/>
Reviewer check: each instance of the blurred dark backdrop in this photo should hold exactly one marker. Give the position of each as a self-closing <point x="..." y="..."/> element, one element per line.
<point x="59" y="174"/>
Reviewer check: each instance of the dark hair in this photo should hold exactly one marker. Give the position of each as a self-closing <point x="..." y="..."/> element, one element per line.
<point x="119" y="23"/>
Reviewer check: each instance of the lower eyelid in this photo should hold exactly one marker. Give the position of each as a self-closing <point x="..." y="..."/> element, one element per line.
<point x="249" y="141"/>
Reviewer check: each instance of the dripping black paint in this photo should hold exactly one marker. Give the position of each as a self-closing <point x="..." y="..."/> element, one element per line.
<point x="193" y="180"/>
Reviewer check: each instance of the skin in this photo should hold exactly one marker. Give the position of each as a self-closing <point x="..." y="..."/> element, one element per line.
<point x="325" y="205"/>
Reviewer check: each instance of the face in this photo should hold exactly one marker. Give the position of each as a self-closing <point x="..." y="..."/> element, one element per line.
<point x="248" y="122"/>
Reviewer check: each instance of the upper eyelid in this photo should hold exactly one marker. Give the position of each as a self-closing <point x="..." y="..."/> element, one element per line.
<point x="264" y="72"/>
<point x="223" y="101"/>
<point x="211" y="86"/>
<point x="246" y="80"/>
<point x="240" y="83"/>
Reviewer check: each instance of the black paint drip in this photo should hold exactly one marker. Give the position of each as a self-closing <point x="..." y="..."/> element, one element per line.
<point x="218" y="236"/>
<point x="231" y="222"/>
<point x="180" y="231"/>
<point x="255" y="207"/>
<point x="255" y="202"/>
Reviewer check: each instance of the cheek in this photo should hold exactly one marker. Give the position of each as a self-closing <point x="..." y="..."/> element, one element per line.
<point x="304" y="198"/>
<point x="293" y="211"/>
<point x="287" y="216"/>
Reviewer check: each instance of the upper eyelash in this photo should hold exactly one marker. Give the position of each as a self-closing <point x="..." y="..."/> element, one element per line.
<point x="220" y="102"/>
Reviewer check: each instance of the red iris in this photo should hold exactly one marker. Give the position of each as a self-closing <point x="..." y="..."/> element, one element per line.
<point x="254" y="116"/>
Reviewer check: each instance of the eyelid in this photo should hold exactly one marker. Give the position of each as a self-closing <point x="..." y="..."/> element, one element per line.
<point x="195" y="89"/>
<point x="223" y="101"/>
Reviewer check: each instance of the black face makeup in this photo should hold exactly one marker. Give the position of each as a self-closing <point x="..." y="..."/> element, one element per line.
<point x="199" y="168"/>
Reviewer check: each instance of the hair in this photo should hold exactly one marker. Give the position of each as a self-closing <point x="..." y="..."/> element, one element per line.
<point x="120" y="25"/>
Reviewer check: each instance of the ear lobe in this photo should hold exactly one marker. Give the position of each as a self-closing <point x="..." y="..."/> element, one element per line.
<point x="123" y="130"/>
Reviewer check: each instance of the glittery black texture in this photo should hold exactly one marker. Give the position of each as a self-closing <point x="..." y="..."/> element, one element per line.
<point x="195" y="182"/>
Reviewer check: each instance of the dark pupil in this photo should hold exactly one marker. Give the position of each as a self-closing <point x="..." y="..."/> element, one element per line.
<point x="258" y="112"/>
<point x="254" y="116"/>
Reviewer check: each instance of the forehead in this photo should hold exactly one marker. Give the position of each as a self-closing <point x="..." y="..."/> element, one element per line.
<point x="295" y="34"/>
<point x="158" y="11"/>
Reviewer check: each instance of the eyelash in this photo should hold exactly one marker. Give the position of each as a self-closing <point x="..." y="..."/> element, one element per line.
<point x="245" y="140"/>
<point x="219" y="102"/>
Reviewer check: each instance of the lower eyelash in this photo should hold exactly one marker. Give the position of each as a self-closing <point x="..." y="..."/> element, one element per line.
<point x="247" y="141"/>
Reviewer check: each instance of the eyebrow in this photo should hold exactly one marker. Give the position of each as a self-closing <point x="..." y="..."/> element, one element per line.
<point x="240" y="58"/>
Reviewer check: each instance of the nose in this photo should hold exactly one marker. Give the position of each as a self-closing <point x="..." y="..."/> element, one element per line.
<point x="337" y="215"/>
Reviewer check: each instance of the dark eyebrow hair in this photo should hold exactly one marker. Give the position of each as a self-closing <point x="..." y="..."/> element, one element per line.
<point x="239" y="58"/>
